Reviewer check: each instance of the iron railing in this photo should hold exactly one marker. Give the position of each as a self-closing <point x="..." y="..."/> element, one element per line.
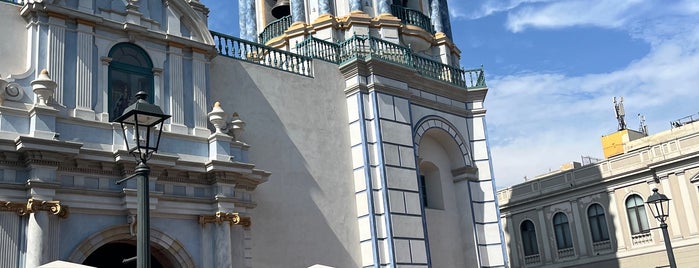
<point x="413" y="17"/>
<point x="275" y="28"/>
<point x="364" y="47"/>
<point x="237" y="48"/>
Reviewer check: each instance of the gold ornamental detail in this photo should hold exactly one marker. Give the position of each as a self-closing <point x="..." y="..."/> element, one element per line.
<point x="35" y="205"/>
<point x="231" y="218"/>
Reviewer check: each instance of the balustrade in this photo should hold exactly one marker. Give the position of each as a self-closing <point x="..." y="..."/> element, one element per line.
<point x="237" y="48"/>
<point x="413" y="17"/>
<point x="275" y="28"/>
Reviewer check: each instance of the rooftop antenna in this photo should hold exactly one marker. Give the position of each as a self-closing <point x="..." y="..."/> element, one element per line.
<point x="643" y="128"/>
<point x="619" y="112"/>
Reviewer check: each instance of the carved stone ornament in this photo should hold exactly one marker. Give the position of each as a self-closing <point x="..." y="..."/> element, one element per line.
<point x="231" y="218"/>
<point x="35" y="205"/>
<point x="43" y="87"/>
<point x="217" y="117"/>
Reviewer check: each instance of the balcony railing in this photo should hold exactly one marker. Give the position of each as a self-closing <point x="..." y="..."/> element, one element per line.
<point x="275" y="28"/>
<point x="413" y="17"/>
<point x="642" y="239"/>
<point x="602" y="245"/>
<point x="237" y="48"/>
<point x="566" y="253"/>
<point x="364" y="47"/>
<point x="532" y="259"/>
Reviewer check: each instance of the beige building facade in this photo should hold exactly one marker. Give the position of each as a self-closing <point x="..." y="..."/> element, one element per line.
<point x="595" y="215"/>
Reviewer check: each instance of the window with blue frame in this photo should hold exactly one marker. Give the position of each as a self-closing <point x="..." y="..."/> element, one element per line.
<point x="130" y="71"/>
<point x="562" y="230"/>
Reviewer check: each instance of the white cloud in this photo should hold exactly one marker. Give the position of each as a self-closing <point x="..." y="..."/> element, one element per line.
<point x="600" y="13"/>
<point x="539" y="121"/>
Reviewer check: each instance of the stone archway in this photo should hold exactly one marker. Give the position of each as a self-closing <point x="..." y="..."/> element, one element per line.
<point x="164" y="248"/>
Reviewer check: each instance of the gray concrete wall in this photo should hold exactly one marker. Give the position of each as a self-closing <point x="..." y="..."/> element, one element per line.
<point x="297" y="129"/>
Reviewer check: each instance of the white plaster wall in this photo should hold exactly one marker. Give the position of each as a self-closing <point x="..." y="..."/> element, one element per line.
<point x="14" y="46"/>
<point x="450" y="246"/>
<point x="297" y="127"/>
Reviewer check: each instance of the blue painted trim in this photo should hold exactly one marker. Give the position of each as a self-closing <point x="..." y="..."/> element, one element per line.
<point x="495" y="194"/>
<point x="417" y="172"/>
<point x="386" y="203"/>
<point x="367" y="178"/>
<point x="475" y="230"/>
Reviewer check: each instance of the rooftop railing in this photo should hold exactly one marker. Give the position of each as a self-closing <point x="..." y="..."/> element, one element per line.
<point x="237" y="48"/>
<point x="275" y="28"/>
<point x="413" y="17"/>
<point x="364" y="47"/>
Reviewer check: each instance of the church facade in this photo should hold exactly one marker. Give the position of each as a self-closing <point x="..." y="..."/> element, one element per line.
<point x="336" y="133"/>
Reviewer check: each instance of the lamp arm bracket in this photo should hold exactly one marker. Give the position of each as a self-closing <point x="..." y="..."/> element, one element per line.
<point x="127" y="178"/>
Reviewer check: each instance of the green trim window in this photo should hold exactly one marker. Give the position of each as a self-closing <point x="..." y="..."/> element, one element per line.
<point x="130" y="71"/>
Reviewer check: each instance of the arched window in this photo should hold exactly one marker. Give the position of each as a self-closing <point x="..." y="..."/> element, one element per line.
<point x="562" y="231"/>
<point x="636" y="211"/>
<point x="130" y="71"/>
<point x="598" y="223"/>
<point x="528" y="233"/>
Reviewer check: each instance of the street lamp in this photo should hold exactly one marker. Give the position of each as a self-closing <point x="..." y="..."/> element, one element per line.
<point x="659" y="205"/>
<point x="141" y="125"/>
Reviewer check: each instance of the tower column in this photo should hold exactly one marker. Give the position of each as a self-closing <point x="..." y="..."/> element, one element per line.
<point x="251" y="21"/>
<point x="242" y="18"/>
<point x="384" y="6"/>
<point x="324" y="6"/>
<point x="222" y="242"/>
<point x="355" y="5"/>
<point x="298" y="11"/>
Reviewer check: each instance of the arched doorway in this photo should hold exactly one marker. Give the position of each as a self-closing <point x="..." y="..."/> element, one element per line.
<point x="120" y="243"/>
<point x="112" y="255"/>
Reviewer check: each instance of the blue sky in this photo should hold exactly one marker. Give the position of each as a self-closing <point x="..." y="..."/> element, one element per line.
<point x="553" y="68"/>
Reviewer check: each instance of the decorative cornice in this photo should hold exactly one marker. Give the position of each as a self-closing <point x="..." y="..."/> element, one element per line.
<point x="231" y="218"/>
<point x="35" y="205"/>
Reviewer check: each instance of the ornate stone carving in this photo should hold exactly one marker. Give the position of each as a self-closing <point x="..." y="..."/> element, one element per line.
<point x="35" y="205"/>
<point x="43" y="87"/>
<point x="231" y="218"/>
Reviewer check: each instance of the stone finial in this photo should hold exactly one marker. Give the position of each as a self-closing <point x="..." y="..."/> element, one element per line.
<point x="43" y="87"/>
<point x="237" y="127"/>
<point x="217" y="117"/>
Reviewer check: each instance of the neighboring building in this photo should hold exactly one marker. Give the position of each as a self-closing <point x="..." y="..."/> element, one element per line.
<point x="595" y="215"/>
<point x="364" y="141"/>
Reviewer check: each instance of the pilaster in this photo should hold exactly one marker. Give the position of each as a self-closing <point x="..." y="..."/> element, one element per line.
<point x="690" y="216"/>
<point x="56" y="52"/>
<point x="578" y="221"/>
<point x="83" y="74"/>
<point x="616" y="221"/>
<point x="547" y="254"/>
<point x="199" y="66"/>
<point x="177" y="107"/>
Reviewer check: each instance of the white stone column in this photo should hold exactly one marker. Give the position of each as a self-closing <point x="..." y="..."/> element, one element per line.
<point x="222" y="245"/>
<point x="9" y="239"/>
<point x="207" y="245"/>
<point x="690" y="217"/>
<point x="83" y="73"/>
<point x="577" y="224"/>
<point x="56" y="54"/>
<point x="667" y="190"/>
<point x="616" y="222"/>
<point x="199" y="87"/>
<point x="545" y="238"/>
<point x="37" y="239"/>
<point x="158" y="86"/>
<point x="176" y="90"/>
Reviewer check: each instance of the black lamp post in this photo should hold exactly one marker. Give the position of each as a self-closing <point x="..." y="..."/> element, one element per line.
<point x="659" y="205"/>
<point x="142" y="124"/>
